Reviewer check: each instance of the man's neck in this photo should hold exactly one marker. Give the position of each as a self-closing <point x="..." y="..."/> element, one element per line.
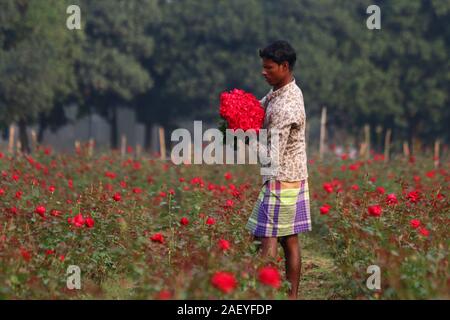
<point x="283" y="83"/>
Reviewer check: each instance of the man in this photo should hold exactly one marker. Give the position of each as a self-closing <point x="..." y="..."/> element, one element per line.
<point x="282" y="209"/>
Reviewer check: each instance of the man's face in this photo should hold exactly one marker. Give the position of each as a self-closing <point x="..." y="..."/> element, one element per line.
<point x="273" y="72"/>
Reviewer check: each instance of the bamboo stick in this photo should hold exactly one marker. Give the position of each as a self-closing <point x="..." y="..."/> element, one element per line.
<point x="436" y="152"/>
<point x="323" y="121"/>
<point x="367" y="141"/>
<point x="162" y="143"/>
<point x="33" y="140"/>
<point x="123" y="146"/>
<point x="406" y="149"/>
<point x="91" y="147"/>
<point x="138" y="150"/>
<point x="12" y="132"/>
<point x="387" y="145"/>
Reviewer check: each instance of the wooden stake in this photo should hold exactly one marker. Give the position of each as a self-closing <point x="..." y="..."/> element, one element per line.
<point x="33" y="140"/>
<point x="123" y="146"/>
<point x="387" y="145"/>
<point x="323" y="122"/>
<point x="138" y="151"/>
<point x="12" y="132"/>
<point x="91" y="147"/>
<point x="406" y="149"/>
<point x="18" y="147"/>
<point x="436" y="153"/>
<point x="162" y="143"/>
<point x="362" y="149"/>
<point x="367" y="141"/>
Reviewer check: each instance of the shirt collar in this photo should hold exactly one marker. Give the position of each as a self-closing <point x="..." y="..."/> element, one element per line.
<point x="273" y="94"/>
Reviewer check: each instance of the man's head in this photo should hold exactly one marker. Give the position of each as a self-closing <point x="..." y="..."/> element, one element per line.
<point x="278" y="60"/>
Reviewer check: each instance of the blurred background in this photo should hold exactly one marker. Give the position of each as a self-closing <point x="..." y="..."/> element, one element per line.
<point x="137" y="67"/>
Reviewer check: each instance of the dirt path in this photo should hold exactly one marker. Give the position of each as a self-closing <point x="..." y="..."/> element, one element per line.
<point x="318" y="270"/>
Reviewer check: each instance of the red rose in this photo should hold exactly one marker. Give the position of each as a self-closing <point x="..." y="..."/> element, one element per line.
<point x="413" y="196"/>
<point x="431" y="174"/>
<point x="224" y="281"/>
<point x="229" y="203"/>
<point x="328" y="187"/>
<point x="157" y="237"/>
<point x="380" y="190"/>
<point x="324" y="209"/>
<point x="78" y="220"/>
<point x="110" y="175"/>
<point x="117" y="196"/>
<point x="25" y="254"/>
<point x="184" y="221"/>
<point x="137" y="190"/>
<point x="164" y="295"/>
<point x="89" y="222"/>
<point x="224" y="244"/>
<point x="423" y="231"/>
<point x="40" y="210"/>
<point x="269" y="276"/>
<point x="375" y="210"/>
<point x="391" y="199"/>
<point x="415" y="223"/>
<point x="210" y="221"/>
<point x="241" y="110"/>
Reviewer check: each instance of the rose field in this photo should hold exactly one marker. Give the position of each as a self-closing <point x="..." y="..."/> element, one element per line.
<point x="142" y="228"/>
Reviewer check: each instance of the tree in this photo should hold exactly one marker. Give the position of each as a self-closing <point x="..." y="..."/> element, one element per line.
<point x="37" y="55"/>
<point x="111" y="71"/>
<point x="203" y="48"/>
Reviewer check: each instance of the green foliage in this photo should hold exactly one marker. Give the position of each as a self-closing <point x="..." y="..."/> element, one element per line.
<point x="170" y="60"/>
<point x="36" y="58"/>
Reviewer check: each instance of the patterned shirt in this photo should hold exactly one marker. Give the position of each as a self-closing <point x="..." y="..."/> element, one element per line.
<point x="285" y="111"/>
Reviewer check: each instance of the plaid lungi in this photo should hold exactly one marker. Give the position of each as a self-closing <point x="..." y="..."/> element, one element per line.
<point x="280" y="212"/>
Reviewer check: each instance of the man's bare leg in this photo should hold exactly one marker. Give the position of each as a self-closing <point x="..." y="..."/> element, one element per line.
<point x="293" y="262"/>
<point x="268" y="246"/>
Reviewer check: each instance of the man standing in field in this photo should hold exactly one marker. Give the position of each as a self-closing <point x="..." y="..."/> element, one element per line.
<point x="282" y="209"/>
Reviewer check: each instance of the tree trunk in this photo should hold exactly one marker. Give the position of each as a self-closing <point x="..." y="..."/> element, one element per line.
<point x="114" y="128"/>
<point x="41" y="130"/>
<point x="411" y="137"/>
<point x="24" y="137"/>
<point x="148" y="136"/>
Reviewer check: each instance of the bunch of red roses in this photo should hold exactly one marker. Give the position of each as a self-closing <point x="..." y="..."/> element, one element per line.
<point x="241" y="110"/>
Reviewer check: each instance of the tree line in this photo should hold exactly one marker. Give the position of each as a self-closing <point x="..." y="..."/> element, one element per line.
<point x="170" y="59"/>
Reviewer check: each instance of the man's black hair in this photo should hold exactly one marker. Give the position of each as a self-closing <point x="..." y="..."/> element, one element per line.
<point x="279" y="51"/>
